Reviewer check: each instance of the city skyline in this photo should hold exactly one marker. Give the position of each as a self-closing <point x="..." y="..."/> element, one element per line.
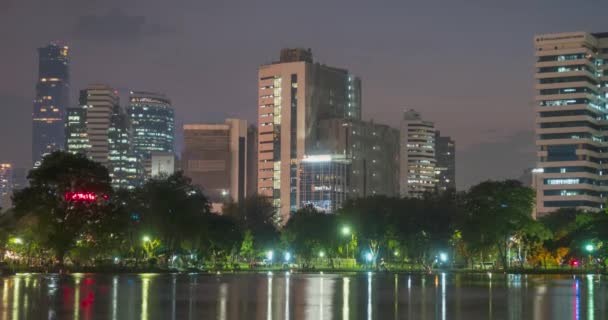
<point x="392" y="71"/>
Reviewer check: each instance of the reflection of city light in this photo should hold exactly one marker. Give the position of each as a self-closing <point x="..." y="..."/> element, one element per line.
<point x="145" y="286"/>
<point x="269" y="297"/>
<point x="223" y="301"/>
<point x="5" y="299"/>
<point x="345" y="298"/>
<point x="369" y="296"/>
<point x="287" y="295"/>
<point x="443" y="294"/>
<point x="396" y="296"/>
<point x="577" y="301"/>
<point x="77" y="277"/>
<point x="590" y="298"/>
<point x="114" y="297"/>
<point x="16" y="296"/>
<point x="321" y="299"/>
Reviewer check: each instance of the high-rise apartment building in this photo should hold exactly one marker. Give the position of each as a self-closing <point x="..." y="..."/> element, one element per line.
<point x="373" y="152"/>
<point x="571" y="121"/>
<point x="294" y="95"/>
<point x="417" y="156"/>
<point x="100" y="129"/>
<point x="153" y="121"/>
<point x="215" y="158"/>
<point x="445" y="167"/>
<point x="6" y="185"/>
<point x="51" y="101"/>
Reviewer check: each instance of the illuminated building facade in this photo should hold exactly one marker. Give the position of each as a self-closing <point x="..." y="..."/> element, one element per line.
<point x="100" y="129"/>
<point x="77" y="139"/>
<point x="571" y="121"/>
<point x="153" y="123"/>
<point x="445" y="167"/>
<point x="215" y="158"/>
<point x="417" y="156"/>
<point x="51" y="101"/>
<point x="125" y="169"/>
<point x="294" y="95"/>
<point x="6" y="185"/>
<point x="324" y="182"/>
<point x="162" y="164"/>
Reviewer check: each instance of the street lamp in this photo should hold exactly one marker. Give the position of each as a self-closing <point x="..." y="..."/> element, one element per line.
<point x="589" y="248"/>
<point x="146" y="239"/>
<point x="443" y="257"/>
<point x="345" y="230"/>
<point x="17" y="240"/>
<point x="369" y="257"/>
<point x="287" y="256"/>
<point x="321" y="254"/>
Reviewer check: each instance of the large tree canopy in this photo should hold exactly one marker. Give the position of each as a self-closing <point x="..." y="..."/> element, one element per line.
<point x="47" y="199"/>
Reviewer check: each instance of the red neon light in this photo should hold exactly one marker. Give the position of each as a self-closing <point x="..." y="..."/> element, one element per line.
<point x="80" y="196"/>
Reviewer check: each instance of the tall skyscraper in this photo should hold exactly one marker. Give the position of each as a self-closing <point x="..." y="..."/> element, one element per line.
<point x="51" y="101"/>
<point x="100" y="102"/>
<point x="445" y="167"/>
<point x="571" y="114"/>
<point x="417" y="156"/>
<point x="215" y="158"/>
<point x="294" y="95"/>
<point x="125" y="168"/>
<point x="152" y="119"/>
<point x="100" y="129"/>
<point x="6" y="185"/>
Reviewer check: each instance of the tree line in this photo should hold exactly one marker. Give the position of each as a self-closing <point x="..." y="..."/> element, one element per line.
<point x="69" y="214"/>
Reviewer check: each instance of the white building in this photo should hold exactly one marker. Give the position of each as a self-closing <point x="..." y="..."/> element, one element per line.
<point x="417" y="156"/>
<point x="571" y="79"/>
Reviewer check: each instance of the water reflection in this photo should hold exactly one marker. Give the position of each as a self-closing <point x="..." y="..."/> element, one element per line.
<point x="287" y="295"/>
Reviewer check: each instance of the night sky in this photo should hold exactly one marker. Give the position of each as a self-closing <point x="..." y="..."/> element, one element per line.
<point x="467" y="65"/>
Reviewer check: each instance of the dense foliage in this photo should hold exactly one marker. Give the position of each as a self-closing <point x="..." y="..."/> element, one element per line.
<point x="168" y="223"/>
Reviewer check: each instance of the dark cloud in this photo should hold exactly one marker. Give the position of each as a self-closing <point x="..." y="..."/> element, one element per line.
<point x="502" y="159"/>
<point x="117" y="25"/>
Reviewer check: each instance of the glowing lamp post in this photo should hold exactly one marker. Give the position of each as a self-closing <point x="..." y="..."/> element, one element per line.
<point x="345" y="232"/>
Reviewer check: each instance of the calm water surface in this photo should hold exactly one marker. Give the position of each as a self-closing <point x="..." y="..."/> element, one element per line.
<point x="282" y="295"/>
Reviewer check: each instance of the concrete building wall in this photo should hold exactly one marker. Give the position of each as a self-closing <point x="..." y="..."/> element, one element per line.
<point x="571" y="77"/>
<point x="215" y="158"/>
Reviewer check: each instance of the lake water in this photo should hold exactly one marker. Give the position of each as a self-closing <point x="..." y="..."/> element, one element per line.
<point x="281" y="295"/>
